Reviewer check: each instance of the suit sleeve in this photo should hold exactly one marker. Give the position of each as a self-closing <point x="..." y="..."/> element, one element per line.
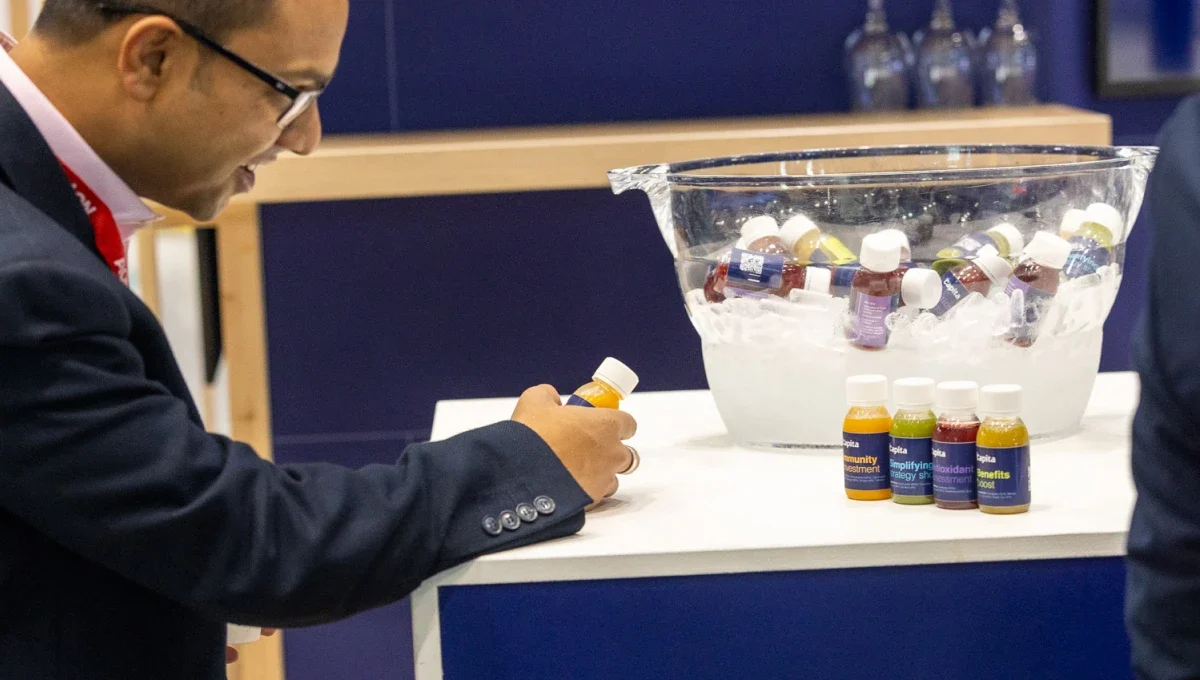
<point x="1163" y="591"/>
<point x="107" y="463"/>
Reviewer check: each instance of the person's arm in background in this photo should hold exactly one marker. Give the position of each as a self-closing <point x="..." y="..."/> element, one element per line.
<point x="108" y="464"/>
<point x="1163" y="595"/>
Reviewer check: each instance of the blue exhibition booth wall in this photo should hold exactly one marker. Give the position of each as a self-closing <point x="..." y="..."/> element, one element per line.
<point x="377" y="309"/>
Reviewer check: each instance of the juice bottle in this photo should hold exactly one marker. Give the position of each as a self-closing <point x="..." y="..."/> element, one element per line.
<point x="611" y="383"/>
<point x="807" y="243"/>
<point x="954" y="445"/>
<point x="750" y="274"/>
<point x="761" y="235"/>
<point x="974" y="276"/>
<point x="865" y="434"/>
<point x="842" y="278"/>
<point x="1037" y="277"/>
<point x="1004" y="237"/>
<point x="1093" y="240"/>
<point x="1002" y="454"/>
<point x="920" y="288"/>
<point x="875" y="292"/>
<point x="911" y="446"/>
<point x="1071" y="221"/>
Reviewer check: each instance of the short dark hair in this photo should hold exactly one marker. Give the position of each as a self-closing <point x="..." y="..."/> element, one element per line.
<point x="77" y="21"/>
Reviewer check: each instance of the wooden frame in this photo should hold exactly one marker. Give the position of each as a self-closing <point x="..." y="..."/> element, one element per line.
<point x="536" y="159"/>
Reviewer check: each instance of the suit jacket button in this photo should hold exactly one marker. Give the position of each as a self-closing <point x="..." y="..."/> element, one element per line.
<point x="509" y="520"/>
<point x="527" y="512"/>
<point x="545" y="505"/>
<point x="491" y="526"/>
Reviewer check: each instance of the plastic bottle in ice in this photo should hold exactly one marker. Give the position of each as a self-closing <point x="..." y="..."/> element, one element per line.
<point x="875" y="292"/>
<point x="974" y="276"/>
<point x="807" y="243"/>
<point x="612" y="382"/>
<point x="1004" y="237"/>
<point x="1008" y="68"/>
<point x="878" y="64"/>
<point x="761" y="234"/>
<point x="1093" y="241"/>
<point x="1036" y="279"/>
<point x="945" y="62"/>
<point x="752" y="274"/>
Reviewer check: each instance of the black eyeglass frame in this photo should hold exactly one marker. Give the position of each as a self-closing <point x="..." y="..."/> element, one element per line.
<point x="301" y="99"/>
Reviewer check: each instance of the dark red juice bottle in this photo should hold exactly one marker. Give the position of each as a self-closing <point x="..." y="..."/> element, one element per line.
<point x="874" y="292"/>
<point x="1037" y="278"/>
<point x="954" y="445"/>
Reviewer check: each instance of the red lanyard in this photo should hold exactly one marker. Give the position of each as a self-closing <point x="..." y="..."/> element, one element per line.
<point x="108" y="236"/>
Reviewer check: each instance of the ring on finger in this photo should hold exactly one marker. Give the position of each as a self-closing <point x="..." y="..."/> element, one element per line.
<point x="634" y="462"/>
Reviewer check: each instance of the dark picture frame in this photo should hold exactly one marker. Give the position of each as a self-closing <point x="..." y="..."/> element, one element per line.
<point x="1155" y="86"/>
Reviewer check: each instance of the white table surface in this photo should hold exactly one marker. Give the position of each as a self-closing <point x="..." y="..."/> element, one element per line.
<point x="702" y="505"/>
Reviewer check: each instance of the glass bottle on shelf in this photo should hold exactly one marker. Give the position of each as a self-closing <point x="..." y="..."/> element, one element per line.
<point x="1008" y="68"/>
<point x="878" y="64"/>
<point x="945" y="62"/>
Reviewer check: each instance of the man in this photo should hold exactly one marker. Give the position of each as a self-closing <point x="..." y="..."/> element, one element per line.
<point x="1163" y="595"/>
<point x="129" y="536"/>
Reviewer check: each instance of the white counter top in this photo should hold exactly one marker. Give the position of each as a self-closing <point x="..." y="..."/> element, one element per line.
<point x="701" y="505"/>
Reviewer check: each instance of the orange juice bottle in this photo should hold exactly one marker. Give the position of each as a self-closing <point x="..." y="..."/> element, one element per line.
<point x="865" y="434"/>
<point x="611" y="383"/>
<point x="1002" y="452"/>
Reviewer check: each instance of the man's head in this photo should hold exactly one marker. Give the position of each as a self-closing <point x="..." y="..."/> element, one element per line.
<point x="184" y="98"/>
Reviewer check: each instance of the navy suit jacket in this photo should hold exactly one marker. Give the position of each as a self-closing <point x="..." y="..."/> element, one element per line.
<point x="1163" y="595"/>
<point x="129" y="535"/>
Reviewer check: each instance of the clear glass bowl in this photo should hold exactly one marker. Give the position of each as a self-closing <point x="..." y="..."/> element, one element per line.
<point x="777" y="364"/>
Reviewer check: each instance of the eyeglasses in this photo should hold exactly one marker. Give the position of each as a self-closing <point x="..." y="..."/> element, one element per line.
<point x="301" y="99"/>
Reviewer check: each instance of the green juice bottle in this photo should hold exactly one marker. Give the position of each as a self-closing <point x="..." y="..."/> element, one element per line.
<point x="910" y="450"/>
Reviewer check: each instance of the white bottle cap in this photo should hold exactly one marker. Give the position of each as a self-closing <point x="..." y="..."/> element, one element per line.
<point x="956" y="395"/>
<point x="1000" y="399"/>
<point x="758" y="227"/>
<point x="236" y="634"/>
<point x="1071" y="220"/>
<point x="1048" y="250"/>
<point x="900" y="238"/>
<point x="1108" y="217"/>
<point x="866" y="389"/>
<point x="795" y="229"/>
<point x="1016" y="241"/>
<point x="997" y="268"/>
<point x="818" y="279"/>
<point x="921" y="288"/>
<point x="617" y="374"/>
<point x="913" y="392"/>
<point x="880" y="253"/>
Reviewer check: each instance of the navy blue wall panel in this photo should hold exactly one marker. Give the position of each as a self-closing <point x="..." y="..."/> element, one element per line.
<point x="997" y="621"/>
<point x="375" y="310"/>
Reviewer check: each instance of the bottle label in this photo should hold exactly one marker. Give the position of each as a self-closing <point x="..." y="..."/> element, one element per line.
<point x="1026" y="320"/>
<point x="953" y="292"/>
<point x="843" y="278"/>
<point x="576" y="400"/>
<point x="911" y="466"/>
<point x="864" y="461"/>
<point x="954" y="471"/>
<point x="751" y="274"/>
<point x="1087" y="255"/>
<point x="870" y="318"/>
<point x="1003" y="476"/>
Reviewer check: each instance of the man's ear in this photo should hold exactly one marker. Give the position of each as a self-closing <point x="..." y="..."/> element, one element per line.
<point x="154" y="52"/>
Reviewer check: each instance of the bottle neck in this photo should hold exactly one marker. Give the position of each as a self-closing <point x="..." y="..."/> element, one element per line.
<point x="957" y="414"/>
<point x="1009" y="15"/>
<point x="999" y="415"/>
<point x="876" y="18"/>
<point x="866" y="405"/>
<point x="943" y="17"/>
<point x="910" y="408"/>
<point x="608" y="386"/>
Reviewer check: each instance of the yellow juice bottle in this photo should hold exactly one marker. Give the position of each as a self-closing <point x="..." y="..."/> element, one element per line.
<point x="611" y="383"/>
<point x="865" y="435"/>
<point x="808" y="244"/>
<point x="1002" y="452"/>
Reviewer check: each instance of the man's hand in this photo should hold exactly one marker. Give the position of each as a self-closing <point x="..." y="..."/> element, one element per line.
<point x="586" y="440"/>
<point x="231" y="654"/>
